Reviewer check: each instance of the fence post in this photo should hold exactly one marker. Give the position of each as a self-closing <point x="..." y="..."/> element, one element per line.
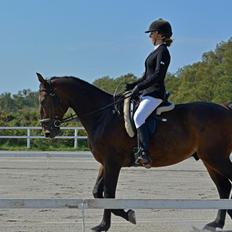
<point x="83" y="206"/>
<point x="28" y="138"/>
<point x="75" y="138"/>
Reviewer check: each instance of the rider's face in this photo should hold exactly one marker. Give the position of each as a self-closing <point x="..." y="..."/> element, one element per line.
<point x="155" y="37"/>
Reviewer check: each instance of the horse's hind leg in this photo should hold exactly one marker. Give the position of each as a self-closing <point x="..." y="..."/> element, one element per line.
<point x="224" y="187"/>
<point x="227" y="170"/>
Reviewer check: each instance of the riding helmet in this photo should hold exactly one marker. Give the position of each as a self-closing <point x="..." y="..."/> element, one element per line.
<point x="162" y="26"/>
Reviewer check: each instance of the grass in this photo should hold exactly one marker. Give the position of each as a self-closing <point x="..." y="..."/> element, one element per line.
<point x="43" y="145"/>
<point x="42" y="148"/>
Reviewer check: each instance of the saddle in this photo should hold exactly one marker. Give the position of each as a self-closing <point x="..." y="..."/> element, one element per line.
<point x="129" y="107"/>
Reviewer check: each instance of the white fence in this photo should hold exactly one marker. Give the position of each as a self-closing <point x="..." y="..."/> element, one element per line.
<point x="29" y="137"/>
<point x="113" y="203"/>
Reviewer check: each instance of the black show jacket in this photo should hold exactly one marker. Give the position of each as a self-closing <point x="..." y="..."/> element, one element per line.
<point x="156" y="65"/>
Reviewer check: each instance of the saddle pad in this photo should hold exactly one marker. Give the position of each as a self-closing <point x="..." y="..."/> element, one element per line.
<point x="127" y="115"/>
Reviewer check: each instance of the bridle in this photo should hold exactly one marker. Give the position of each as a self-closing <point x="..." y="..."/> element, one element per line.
<point x="50" y="122"/>
<point x="56" y="122"/>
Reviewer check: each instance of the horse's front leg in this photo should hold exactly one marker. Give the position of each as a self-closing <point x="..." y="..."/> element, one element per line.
<point x="99" y="185"/>
<point x="98" y="193"/>
<point x="111" y="174"/>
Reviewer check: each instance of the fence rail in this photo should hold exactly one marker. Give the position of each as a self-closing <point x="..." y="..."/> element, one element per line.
<point x="29" y="137"/>
<point x="113" y="203"/>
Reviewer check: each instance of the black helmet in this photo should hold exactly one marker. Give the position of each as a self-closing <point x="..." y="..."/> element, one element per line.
<point x="162" y="26"/>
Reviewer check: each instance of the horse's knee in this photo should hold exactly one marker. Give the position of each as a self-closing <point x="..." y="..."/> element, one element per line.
<point x="97" y="193"/>
<point x="109" y="192"/>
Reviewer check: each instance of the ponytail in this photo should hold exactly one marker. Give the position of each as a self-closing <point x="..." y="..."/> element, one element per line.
<point x="168" y="41"/>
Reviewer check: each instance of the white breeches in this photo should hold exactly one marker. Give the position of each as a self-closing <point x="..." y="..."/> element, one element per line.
<point x="146" y="107"/>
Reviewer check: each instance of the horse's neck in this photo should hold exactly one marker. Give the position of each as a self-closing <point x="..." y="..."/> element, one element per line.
<point x="91" y="111"/>
<point x="87" y="101"/>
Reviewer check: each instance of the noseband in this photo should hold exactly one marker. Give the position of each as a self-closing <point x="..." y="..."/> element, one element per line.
<point x="50" y="122"/>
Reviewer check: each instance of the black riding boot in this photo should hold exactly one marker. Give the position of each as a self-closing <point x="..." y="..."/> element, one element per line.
<point x="142" y="155"/>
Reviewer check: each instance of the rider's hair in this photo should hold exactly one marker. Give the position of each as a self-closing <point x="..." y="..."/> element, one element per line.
<point x="168" y="41"/>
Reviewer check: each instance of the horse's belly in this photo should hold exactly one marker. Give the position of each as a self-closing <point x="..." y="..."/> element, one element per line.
<point x="161" y="162"/>
<point x="172" y="154"/>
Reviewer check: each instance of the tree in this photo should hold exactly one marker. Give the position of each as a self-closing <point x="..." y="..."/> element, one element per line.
<point x="111" y="85"/>
<point x="209" y="79"/>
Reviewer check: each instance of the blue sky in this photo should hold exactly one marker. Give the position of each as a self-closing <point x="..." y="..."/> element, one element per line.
<point x="92" y="39"/>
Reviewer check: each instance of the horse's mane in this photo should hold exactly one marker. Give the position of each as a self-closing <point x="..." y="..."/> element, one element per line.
<point x="79" y="82"/>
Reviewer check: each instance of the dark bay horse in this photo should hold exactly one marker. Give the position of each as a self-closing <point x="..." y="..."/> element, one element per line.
<point x="198" y="128"/>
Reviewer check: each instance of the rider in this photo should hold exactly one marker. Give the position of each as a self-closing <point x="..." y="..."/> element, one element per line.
<point x="151" y="86"/>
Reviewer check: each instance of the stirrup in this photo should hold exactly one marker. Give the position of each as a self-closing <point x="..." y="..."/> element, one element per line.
<point x="142" y="159"/>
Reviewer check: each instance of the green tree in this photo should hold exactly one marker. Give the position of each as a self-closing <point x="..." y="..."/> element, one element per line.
<point x="207" y="80"/>
<point x="111" y="85"/>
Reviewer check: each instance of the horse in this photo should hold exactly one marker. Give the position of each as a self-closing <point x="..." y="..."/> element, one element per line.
<point x="199" y="128"/>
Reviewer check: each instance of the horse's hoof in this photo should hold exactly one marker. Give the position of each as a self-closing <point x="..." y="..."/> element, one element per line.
<point x="131" y="216"/>
<point x="100" y="228"/>
<point x="212" y="226"/>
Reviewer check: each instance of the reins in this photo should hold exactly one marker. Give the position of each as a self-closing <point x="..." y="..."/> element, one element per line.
<point x="72" y="117"/>
<point x="114" y="103"/>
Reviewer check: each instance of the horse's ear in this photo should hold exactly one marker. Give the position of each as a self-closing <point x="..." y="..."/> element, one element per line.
<point x="40" y="78"/>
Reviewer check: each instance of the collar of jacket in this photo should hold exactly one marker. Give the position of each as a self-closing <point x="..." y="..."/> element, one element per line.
<point x="156" y="46"/>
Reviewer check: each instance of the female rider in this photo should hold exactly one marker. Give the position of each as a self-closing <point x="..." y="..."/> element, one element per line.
<point x="151" y="86"/>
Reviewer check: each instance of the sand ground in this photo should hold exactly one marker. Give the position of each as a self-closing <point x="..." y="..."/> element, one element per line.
<point x="47" y="176"/>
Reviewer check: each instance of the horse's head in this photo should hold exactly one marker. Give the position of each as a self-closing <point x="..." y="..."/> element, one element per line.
<point x="52" y="108"/>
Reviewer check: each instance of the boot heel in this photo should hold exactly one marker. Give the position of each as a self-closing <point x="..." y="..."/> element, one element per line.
<point x="146" y="160"/>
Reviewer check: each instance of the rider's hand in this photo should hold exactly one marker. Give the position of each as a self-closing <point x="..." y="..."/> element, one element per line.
<point x="130" y="86"/>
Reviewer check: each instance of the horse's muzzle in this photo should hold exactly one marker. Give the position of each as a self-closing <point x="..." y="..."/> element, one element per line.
<point x="51" y="127"/>
<point x="52" y="133"/>
<point x="47" y="133"/>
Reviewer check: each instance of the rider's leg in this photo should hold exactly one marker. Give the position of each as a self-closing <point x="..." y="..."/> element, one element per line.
<point x="146" y="107"/>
